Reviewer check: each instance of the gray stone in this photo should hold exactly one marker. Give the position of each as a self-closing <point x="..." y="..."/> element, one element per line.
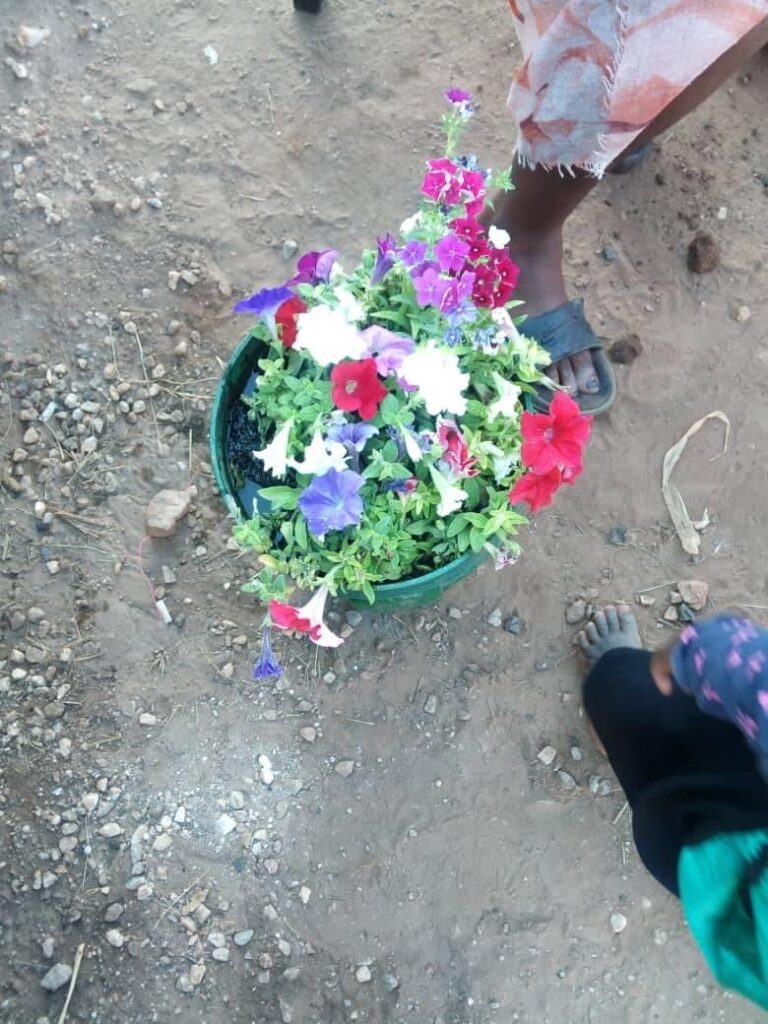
<point x="58" y="975"/>
<point x="166" y="510"/>
<point x="244" y="937"/>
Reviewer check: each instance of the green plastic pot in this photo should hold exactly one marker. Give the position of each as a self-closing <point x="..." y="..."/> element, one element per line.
<point x="409" y="593"/>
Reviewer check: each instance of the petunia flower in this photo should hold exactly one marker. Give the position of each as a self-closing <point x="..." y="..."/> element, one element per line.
<point x="385" y="257"/>
<point x="320" y="456"/>
<point x="458" y="96"/>
<point x="451" y="253"/>
<point x="266" y="666"/>
<point x="351" y="307"/>
<point x="286" y="319"/>
<point x="451" y="496"/>
<point x="410" y="223"/>
<point x="315" y="267"/>
<point x="326" y="335"/>
<point x="264" y="302"/>
<point x="275" y="455"/>
<point x="498" y="237"/>
<point x="556" y="438"/>
<point x="455" y="450"/>
<point x="332" y="501"/>
<point x="354" y="436"/>
<point x="387" y="348"/>
<point x="506" y="404"/>
<point x="436" y="375"/>
<point x="456" y="300"/>
<point x="357" y="388"/>
<point x="440" y="183"/>
<point x="413" y="253"/>
<point x="536" y="489"/>
<point x="412" y="446"/>
<point x="430" y="287"/>
<point x="307" y="619"/>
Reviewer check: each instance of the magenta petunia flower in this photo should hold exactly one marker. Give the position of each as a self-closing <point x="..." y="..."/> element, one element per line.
<point x="430" y="288"/>
<point x="451" y="253"/>
<point x="314" y="267"/>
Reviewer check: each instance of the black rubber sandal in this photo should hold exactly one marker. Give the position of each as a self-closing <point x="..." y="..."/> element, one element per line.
<point x="565" y="332"/>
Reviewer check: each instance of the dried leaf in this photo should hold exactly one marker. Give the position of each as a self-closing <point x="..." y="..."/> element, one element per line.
<point x="685" y="529"/>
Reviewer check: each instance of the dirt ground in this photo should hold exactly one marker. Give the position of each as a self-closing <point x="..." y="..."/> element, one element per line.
<point x="443" y="874"/>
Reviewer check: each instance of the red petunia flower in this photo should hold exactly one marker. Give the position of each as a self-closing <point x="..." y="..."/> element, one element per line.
<point x="483" y="288"/>
<point x="506" y="269"/>
<point x="455" y="450"/>
<point x="467" y="228"/>
<point x="285" y="616"/>
<point x="556" y="438"/>
<point x="285" y="319"/>
<point x="536" y="489"/>
<point x="357" y="388"/>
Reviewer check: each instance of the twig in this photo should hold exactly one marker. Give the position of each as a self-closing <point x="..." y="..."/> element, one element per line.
<point x="269" y="103"/>
<point x="178" y="899"/>
<point x="73" y="981"/>
<point x="137" y="336"/>
<point x="618" y="816"/>
<point x="660" y="586"/>
<point x="345" y="718"/>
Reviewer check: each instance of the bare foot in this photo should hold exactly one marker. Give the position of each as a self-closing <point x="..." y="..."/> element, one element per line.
<point x="610" y="629"/>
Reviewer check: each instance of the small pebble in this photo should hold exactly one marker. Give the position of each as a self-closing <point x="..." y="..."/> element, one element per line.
<point x="430" y="704"/>
<point x="513" y="625"/>
<point x="547" y="755"/>
<point x="618" y="923"/>
<point x="344" y="768"/>
<point x="115" y="938"/>
<point x="308" y="733"/>
<point x="243" y="938"/>
<point x="58" y="976"/>
<point x="354" y="618"/>
<point x="494" y="619"/>
<point x="575" y="612"/>
<point x="567" y="782"/>
<point x="145" y="718"/>
<point x="363" y="974"/>
<point x="225" y="825"/>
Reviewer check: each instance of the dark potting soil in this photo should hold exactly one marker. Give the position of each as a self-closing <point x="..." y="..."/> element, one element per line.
<point x="243" y="438"/>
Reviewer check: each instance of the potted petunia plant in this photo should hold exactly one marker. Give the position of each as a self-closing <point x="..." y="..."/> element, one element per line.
<point x="370" y="434"/>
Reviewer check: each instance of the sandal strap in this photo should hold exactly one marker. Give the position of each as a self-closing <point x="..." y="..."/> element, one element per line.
<point x="563" y="331"/>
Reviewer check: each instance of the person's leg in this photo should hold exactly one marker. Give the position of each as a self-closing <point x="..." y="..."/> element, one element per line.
<point x="534" y="214"/>
<point x="686" y="775"/>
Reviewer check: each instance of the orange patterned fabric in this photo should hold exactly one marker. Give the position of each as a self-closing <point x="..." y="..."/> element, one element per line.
<point x="597" y="72"/>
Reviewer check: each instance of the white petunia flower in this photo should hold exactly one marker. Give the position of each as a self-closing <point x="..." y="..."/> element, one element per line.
<point x="435" y="373"/>
<point x="412" y="448"/>
<point x="410" y="223"/>
<point x="320" y="456"/>
<point x="498" y="237"/>
<point x="326" y="335"/>
<point x="451" y="496"/>
<point x="506" y="403"/>
<point x="275" y="455"/>
<point x="352" y="309"/>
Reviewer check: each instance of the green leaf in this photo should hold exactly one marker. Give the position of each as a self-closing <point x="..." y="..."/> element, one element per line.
<point x="281" y="497"/>
<point x="456" y="525"/>
<point x="476" y="539"/>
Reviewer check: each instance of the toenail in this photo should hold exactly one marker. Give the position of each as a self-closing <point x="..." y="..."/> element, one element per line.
<point x="593" y="384"/>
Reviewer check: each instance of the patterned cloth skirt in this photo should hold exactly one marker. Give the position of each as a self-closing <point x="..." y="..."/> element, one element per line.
<point x="597" y="72"/>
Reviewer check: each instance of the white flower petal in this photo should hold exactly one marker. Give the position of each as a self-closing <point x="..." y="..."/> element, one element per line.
<point x="435" y="373"/>
<point x="275" y="455"/>
<point x="451" y="497"/>
<point x="314" y="610"/>
<point x="498" y="237"/>
<point x="410" y="223"/>
<point x="320" y="456"/>
<point x="412" y="448"/>
<point x="353" y="310"/>
<point x="325" y="334"/>
<point x="506" y="403"/>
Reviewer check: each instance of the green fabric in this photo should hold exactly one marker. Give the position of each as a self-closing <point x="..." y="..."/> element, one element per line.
<point x="717" y="901"/>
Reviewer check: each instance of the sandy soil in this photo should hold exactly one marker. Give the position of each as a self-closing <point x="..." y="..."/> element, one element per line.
<point x="451" y="867"/>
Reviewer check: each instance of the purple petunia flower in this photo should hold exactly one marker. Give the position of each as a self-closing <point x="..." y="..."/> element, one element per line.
<point x="412" y="254"/>
<point x="314" y="267"/>
<point x="458" y="96"/>
<point x="264" y="302"/>
<point x="388" y="349"/>
<point x="385" y="257"/>
<point x="431" y="288"/>
<point x="267" y="666"/>
<point x="332" y="501"/>
<point x="354" y="436"/>
<point x="451" y="253"/>
<point x="456" y="301"/>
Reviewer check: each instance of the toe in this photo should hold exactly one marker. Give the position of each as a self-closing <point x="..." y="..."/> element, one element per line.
<point x="582" y="642"/>
<point x="601" y="623"/>
<point x="592" y="634"/>
<point x="586" y="375"/>
<point x="612" y="618"/>
<point x="627" y="620"/>
<point x="568" y="377"/>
